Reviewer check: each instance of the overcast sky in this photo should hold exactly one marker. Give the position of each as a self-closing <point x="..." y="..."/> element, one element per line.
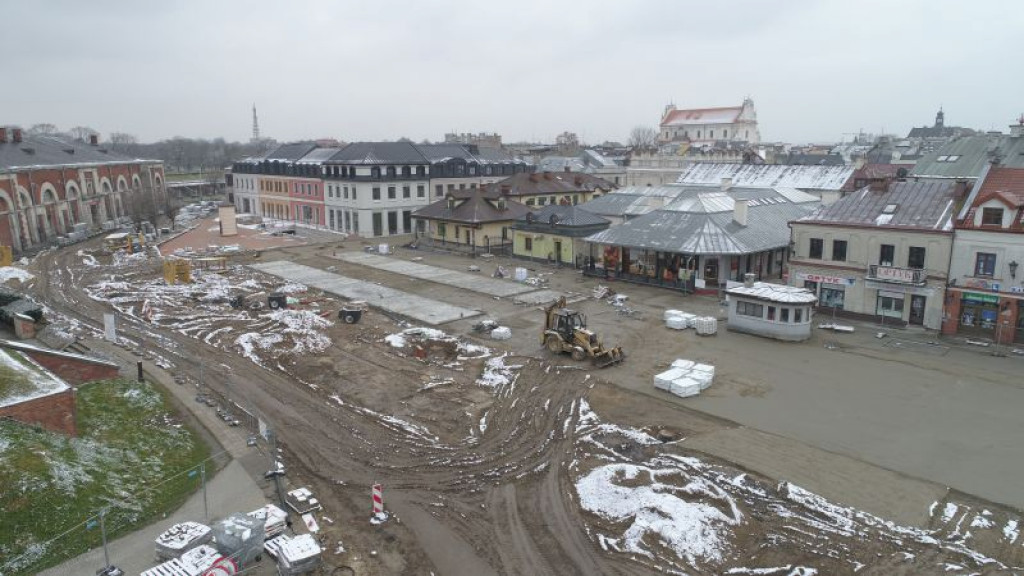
<point x="526" y="69"/>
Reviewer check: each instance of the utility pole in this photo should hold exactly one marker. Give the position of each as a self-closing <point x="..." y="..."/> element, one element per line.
<point x="103" y="533"/>
<point x="202" y="474"/>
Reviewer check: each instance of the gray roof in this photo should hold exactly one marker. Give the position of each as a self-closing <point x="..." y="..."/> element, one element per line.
<point x="706" y="233"/>
<point x="289" y="152"/>
<point x="615" y="204"/>
<point x="318" y="156"/>
<point x="44" y="151"/>
<point x="560" y="163"/>
<point x="797" y="159"/>
<point x="379" y="153"/>
<point x="926" y="205"/>
<point x="567" y="216"/>
<point x="970" y="154"/>
<point x="469" y="153"/>
<point x="768" y="175"/>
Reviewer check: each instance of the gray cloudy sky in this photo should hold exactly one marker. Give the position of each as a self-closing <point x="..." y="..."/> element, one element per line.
<point x="527" y="69"/>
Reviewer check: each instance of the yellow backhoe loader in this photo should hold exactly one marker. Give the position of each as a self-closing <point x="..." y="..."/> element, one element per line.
<point x="565" y="330"/>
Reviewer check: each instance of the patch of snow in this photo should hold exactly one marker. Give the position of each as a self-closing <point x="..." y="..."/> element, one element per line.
<point x="396" y="340"/>
<point x="8" y="273"/>
<point x="1011" y="532"/>
<point x="949" y="512"/>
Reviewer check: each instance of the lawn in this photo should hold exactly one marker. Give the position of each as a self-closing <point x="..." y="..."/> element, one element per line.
<point x="132" y="456"/>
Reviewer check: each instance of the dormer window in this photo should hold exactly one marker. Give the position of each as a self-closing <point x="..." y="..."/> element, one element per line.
<point x="451" y="202"/>
<point x="991" y="216"/>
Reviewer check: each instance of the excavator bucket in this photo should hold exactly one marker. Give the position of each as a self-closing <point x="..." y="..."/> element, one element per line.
<point x="609" y="357"/>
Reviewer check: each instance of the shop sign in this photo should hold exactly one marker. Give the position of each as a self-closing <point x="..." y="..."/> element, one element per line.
<point x="981" y="283"/>
<point x="980" y="298"/>
<point x="917" y="290"/>
<point x="822" y="279"/>
<point x="894" y="274"/>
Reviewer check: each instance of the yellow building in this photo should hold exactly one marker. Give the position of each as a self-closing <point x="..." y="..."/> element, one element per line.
<point x="470" y="220"/>
<point x="556" y="233"/>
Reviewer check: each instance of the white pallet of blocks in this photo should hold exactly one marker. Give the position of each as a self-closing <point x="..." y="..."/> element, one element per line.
<point x="685" y="378"/>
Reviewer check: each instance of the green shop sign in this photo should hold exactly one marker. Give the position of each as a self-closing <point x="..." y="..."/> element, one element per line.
<point x="980" y="298"/>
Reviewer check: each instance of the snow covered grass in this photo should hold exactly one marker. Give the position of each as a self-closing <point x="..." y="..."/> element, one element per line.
<point x="21" y="379"/>
<point x="128" y="444"/>
<point x="8" y="273"/>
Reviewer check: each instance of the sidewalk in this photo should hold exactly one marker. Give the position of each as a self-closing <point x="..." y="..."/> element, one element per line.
<point x="231" y="490"/>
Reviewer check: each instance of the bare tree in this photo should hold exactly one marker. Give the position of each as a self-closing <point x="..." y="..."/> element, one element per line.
<point x="43" y="130"/>
<point x="81" y="133"/>
<point x="642" y="137"/>
<point x="122" y="142"/>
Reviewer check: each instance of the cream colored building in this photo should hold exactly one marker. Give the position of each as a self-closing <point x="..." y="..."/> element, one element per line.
<point x="879" y="254"/>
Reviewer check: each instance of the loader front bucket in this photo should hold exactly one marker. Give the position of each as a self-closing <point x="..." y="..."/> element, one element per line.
<point x="609" y="357"/>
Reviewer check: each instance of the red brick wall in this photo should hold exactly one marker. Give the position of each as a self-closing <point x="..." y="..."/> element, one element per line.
<point x="951" y="312"/>
<point x="55" y="412"/>
<point x="72" y="370"/>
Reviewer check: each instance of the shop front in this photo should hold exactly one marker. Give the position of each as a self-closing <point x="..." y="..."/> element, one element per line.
<point x="979" y="313"/>
<point x="830" y="290"/>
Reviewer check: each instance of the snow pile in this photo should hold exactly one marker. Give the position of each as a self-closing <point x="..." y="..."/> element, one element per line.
<point x="253" y="342"/>
<point x="304" y="328"/>
<point x="497" y="375"/>
<point x="293" y="288"/>
<point x="501" y="333"/>
<point x="8" y="273"/>
<point x="396" y="340"/>
<point x="695" y="530"/>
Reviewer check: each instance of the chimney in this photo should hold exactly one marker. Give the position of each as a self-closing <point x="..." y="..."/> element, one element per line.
<point x="739" y="212"/>
<point x="16" y="135"/>
<point x="3" y="134"/>
<point x="1017" y="130"/>
<point x="534" y="177"/>
<point x="94" y="139"/>
<point x="568" y="168"/>
<point x="726" y="184"/>
<point x="748" y="280"/>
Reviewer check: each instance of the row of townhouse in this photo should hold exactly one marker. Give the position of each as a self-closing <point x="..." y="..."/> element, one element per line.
<point x="50" y="187"/>
<point x="369" y="189"/>
<point x="941" y="249"/>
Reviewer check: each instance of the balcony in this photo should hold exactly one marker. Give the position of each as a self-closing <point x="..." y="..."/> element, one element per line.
<point x="896" y="275"/>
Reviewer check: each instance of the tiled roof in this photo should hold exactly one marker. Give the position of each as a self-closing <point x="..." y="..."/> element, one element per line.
<point x="525" y="184"/>
<point x="727" y="115"/>
<point x="46" y="151"/>
<point x="474" y="208"/>
<point x="379" y="153"/>
<point x="768" y="175"/>
<point x="1000" y="183"/>
<point x="925" y="205"/>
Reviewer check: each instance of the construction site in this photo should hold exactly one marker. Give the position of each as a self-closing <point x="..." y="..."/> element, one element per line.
<point x="515" y="423"/>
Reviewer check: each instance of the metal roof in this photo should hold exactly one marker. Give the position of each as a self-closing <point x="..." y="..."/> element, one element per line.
<point x="925" y="205"/>
<point x="966" y="157"/>
<point x="318" y="156"/>
<point x="47" y="151"/>
<point x="289" y="152"/>
<point x="566" y="216"/>
<point x="707" y="233"/>
<point x="476" y="207"/>
<point x="379" y="153"/>
<point x="775" y="293"/>
<point x="726" y="115"/>
<point x="767" y="175"/>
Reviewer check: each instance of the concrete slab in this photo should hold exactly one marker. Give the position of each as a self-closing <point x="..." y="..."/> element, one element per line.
<point x="416" y="307"/>
<point x="475" y="281"/>
<point x="547" y="297"/>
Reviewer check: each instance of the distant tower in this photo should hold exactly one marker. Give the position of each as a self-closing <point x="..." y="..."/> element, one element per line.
<point x="255" y="126"/>
<point x="940" y="118"/>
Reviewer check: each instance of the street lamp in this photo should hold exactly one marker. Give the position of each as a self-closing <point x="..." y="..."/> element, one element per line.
<point x="1013" y="268"/>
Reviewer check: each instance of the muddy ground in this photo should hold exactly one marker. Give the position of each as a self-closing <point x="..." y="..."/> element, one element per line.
<point x="523" y="463"/>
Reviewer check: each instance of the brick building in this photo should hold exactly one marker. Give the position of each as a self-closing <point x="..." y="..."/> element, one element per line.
<point x="38" y="385"/>
<point x="48" y="185"/>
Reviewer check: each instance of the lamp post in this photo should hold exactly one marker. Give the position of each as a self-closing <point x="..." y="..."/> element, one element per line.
<point x="1013" y="268"/>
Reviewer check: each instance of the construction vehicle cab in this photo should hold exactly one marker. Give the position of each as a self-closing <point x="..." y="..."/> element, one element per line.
<point x="565" y="331"/>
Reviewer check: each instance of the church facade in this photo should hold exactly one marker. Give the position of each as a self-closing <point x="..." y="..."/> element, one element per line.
<point x="710" y="126"/>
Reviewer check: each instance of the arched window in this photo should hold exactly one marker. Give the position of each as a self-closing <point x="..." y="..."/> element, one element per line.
<point x="391" y="172"/>
<point x="406" y="171"/>
<point x="375" y="172"/>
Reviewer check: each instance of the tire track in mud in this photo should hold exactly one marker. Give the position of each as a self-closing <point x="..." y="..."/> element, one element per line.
<point x="525" y="446"/>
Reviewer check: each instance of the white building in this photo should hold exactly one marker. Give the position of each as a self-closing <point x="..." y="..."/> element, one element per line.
<point x="770" y="310"/>
<point x="372" y="188"/>
<point x="710" y="125"/>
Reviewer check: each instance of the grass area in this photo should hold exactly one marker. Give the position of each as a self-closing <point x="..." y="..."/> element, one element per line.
<point x="132" y="456"/>
<point x="13" y="383"/>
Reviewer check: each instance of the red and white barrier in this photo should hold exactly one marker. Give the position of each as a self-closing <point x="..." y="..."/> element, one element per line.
<point x="378" y="499"/>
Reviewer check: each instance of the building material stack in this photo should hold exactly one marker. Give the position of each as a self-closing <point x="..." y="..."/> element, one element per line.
<point x="181" y="538"/>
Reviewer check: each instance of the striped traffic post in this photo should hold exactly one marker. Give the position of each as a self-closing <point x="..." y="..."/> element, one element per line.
<point x="378" y="499"/>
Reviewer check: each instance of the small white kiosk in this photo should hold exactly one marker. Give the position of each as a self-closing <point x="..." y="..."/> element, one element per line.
<point x="770" y="310"/>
